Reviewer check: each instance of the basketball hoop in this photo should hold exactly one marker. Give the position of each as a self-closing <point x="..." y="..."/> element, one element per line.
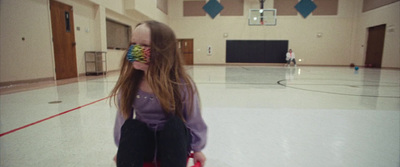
<point x="262" y="17"/>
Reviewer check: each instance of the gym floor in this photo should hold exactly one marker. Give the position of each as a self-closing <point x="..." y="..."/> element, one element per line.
<point x="257" y="116"/>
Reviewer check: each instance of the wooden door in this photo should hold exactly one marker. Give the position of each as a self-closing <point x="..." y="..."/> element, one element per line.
<point x="186" y="48"/>
<point x="375" y="43"/>
<point x="62" y="23"/>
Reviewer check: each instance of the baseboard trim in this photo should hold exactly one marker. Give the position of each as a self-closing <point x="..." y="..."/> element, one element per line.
<point x="240" y="64"/>
<point x="28" y="81"/>
<point x="282" y="64"/>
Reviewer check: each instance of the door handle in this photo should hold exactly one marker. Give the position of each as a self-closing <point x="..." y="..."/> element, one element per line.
<point x="73" y="43"/>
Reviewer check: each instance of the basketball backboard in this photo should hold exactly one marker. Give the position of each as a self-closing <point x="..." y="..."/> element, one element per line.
<point x="260" y="17"/>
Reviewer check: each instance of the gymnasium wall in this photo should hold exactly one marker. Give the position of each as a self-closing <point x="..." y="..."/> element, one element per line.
<point x="33" y="58"/>
<point x="342" y="34"/>
<point x="30" y="58"/>
<point x="389" y="15"/>
<point x="342" y="42"/>
<point x="333" y="48"/>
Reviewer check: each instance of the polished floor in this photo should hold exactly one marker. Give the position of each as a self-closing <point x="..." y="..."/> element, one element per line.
<point x="269" y="116"/>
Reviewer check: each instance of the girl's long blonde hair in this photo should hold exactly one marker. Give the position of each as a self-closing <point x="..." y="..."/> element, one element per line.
<point x="166" y="75"/>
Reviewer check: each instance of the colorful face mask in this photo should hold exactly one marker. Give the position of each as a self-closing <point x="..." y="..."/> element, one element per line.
<point x="138" y="53"/>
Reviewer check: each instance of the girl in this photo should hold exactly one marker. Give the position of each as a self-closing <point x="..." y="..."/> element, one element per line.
<point x="154" y="86"/>
<point x="290" y="57"/>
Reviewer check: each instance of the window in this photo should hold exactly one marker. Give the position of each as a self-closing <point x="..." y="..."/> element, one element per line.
<point x="118" y="35"/>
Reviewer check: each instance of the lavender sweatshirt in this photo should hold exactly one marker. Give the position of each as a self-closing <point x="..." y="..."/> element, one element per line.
<point x="148" y="110"/>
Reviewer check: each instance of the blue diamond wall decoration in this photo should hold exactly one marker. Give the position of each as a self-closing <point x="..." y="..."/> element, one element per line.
<point x="213" y="7"/>
<point x="305" y="7"/>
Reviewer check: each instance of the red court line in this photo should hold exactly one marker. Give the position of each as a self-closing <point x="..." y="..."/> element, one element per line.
<point x="45" y="119"/>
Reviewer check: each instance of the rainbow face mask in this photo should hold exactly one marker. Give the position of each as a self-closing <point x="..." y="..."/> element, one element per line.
<point x="138" y="53"/>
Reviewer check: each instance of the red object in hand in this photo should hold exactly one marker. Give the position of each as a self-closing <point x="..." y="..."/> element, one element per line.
<point x="150" y="164"/>
<point x="197" y="164"/>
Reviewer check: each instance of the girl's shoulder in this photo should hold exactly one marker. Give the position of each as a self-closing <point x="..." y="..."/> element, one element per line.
<point x="188" y="84"/>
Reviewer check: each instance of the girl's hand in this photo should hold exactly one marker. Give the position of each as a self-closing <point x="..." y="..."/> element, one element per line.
<point x="199" y="157"/>
<point x="115" y="158"/>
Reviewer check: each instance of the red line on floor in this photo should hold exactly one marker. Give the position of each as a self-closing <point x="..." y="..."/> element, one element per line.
<point x="45" y="119"/>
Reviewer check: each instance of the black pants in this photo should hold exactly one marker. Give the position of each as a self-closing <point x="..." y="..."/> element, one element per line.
<point x="294" y="61"/>
<point x="140" y="144"/>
